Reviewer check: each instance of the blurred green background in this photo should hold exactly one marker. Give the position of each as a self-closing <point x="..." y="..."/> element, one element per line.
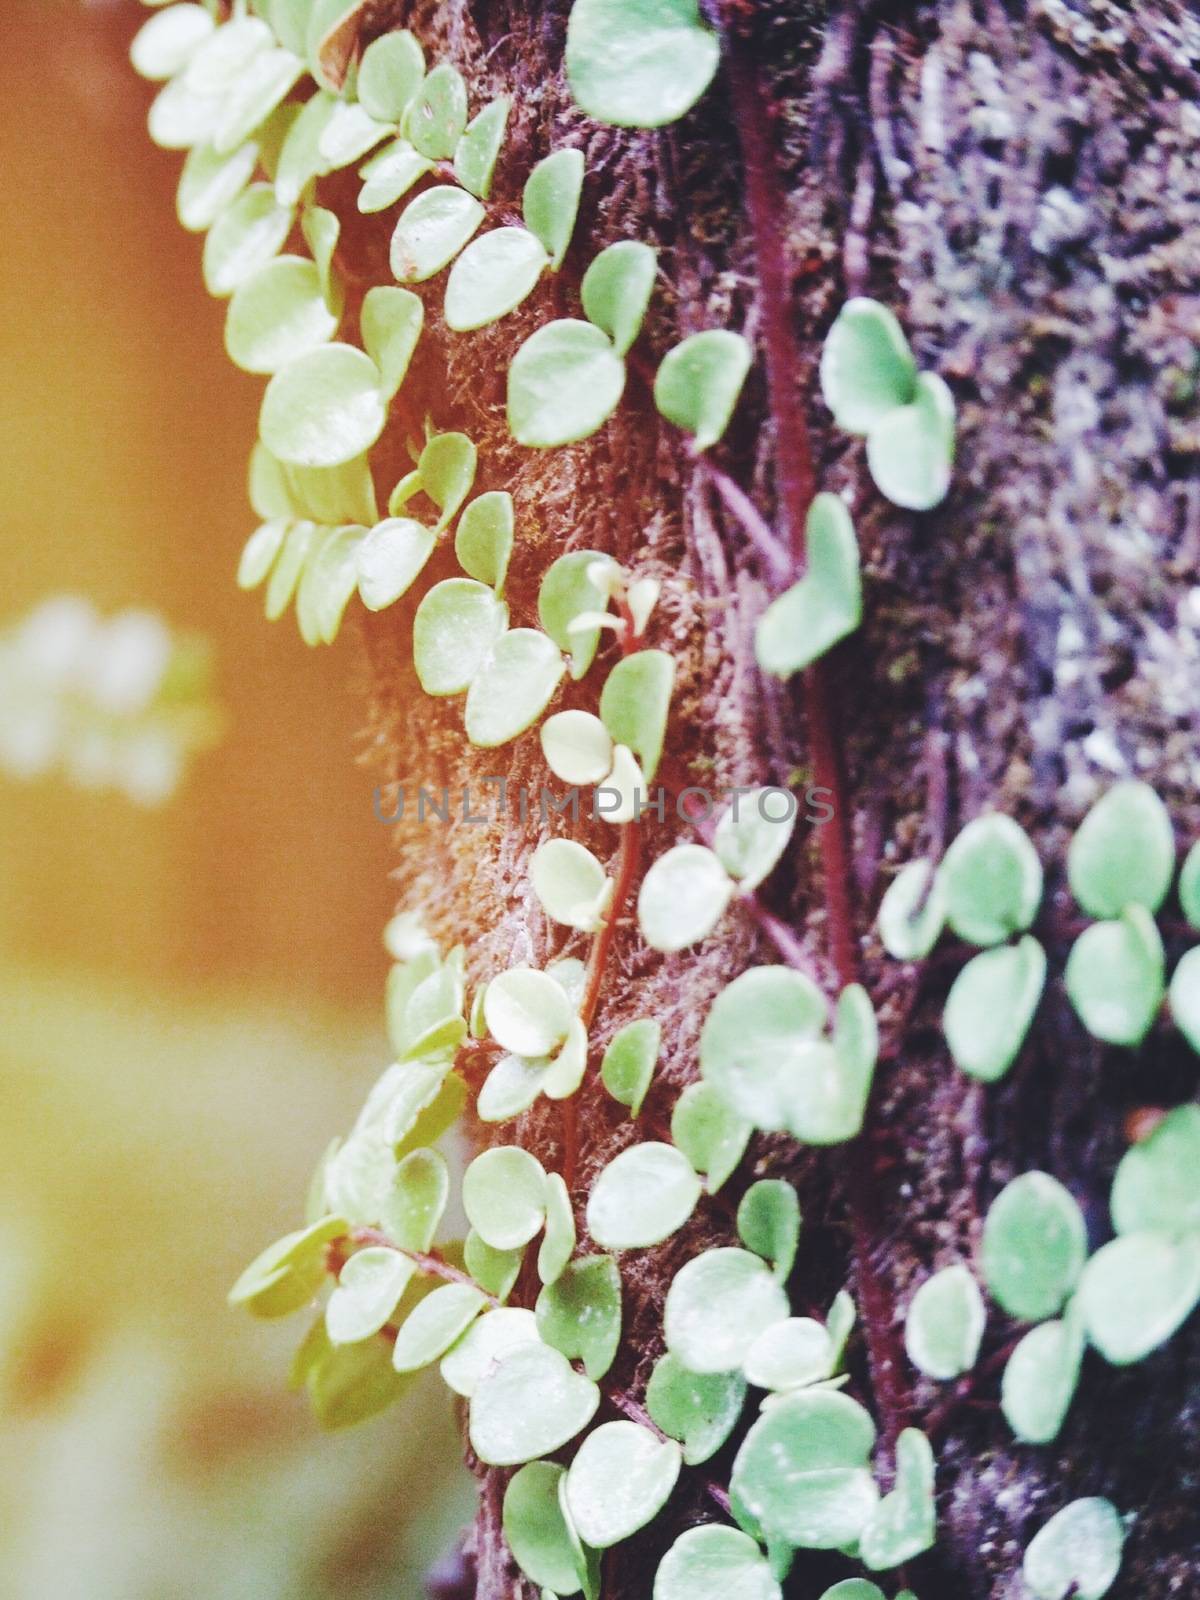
<point x="190" y="998"/>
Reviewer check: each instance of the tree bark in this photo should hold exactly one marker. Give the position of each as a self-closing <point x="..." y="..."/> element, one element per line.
<point x="1019" y="182"/>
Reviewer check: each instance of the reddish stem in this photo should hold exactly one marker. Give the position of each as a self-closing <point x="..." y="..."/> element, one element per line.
<point x="427" y="1260"/>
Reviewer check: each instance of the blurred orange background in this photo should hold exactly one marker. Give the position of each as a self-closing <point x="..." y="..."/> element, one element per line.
<point x="190" y="998"/>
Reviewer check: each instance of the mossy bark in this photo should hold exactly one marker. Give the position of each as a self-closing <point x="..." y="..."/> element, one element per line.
<point x="1020" y="183"/>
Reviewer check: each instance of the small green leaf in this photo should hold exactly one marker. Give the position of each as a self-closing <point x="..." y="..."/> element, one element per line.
<point x="565" y="1072"/>
<point x="389" y="75"/>
<point x="288" y="1273"/>
<point x="332" y="495"/>
<point x="259" y="553"/>
<point x="278" y="315"/>
<point x="682" y="897"/>
<point x="580" y="1313"/>
<point x="991" y="1006"/>
<point x="166" y="43"/>
<point x="537" y="1531"/>
<point x="1040" y="1379"/>
<point x="488" y="1340"/>
<point x="564" y="383"/>
<point x="699" y="1409"/>
<point x="1189" y="887"/>
<point x="991" y="879"/>
<point x="504" y="1196"/>
<point x="912" y="912"/>
<point x="350" y="1382"/>
<point x="368" y="1291"/>
<point x="713" y="1562"/>
<point x="483" y="541"/>
<point x="620" y="1479"/>
<point x="417" y="1201"/>
<point x="830" y="1082"/>
<point x="447" y="471"/>
<point x="455" y="626"/>
<point x="323" y="408"/>
<point x="515" y="684"/>
<point x="570" y="883"/>
<point x="492" y="1269"/>
<point x="639" y="63"/>
<point x="808" y="619"/>
<point x="768" y="1222"/>
<point x="433" y="1325"/>
<point x="910" y="452"/>
<point x="717" y="1306"/>
<point x="210" y="183"/>
<point x="1184" y="997"/>
<point x="1123" y="852"/>
<point x="802" y="1470"/>
<point x="511" y="1087"/>
<point x="567" y="592"/>
<point x="267" y="80"/>
<point x="558" y="1242"/>
<point x="530" y="1404"/>
<point x="629" y="1062"/>
<point x="550" y="202"/>
<point x="867" y="369"/>
<point x="349" y="133"/>
<point x="616" y="290"/>
<point x="182" y="117"/>
<point x="641" y="1197"/>
<point x="1077" y="1553"/>
<point x="945" y="1323"/>
<point x="839" y="1324"/>
<point x="1136" y="1291"/>
<point x="634" y="704"/>
<point x="789" y="1355"/>
<point x="526" y="1011"/>
<point x="753" y="833"/>
<point x="1034" y="1246"/>
<point x="285" y="574"/>
<point x="431" y="231"/>
<point x="904" y="1523"/>
<point x="491" y="278"/>
<point x="438" y="114"/>
<point x="699" y="381"/>
<point x="322" y="229"/>
<point x="711" y="1136"/>
<point x="329" y="580"/>
<point x="300" y="159"/>
<point x="391" y="558"/>
<point x="247" y="235"/>
<point x="390" y="174"/>
<point x="391" y="321"/>
<point x="478" y="149"/>
<point x="754" y="1037"/>
<point x="1115" y="978"/>
<point x="1155" y="1184"/>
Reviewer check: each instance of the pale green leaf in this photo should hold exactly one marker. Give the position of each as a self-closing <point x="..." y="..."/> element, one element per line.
<point x="285" y="574"/>
<point x="453" y="630"/>
<point x="300" y="158"/>
<point x="945" y="1323"/>
<point x="266" y="81"/>
<point x="717" y="1306"/>
<point x="570" y="883"/>
<point x="259" y="553"/>
<point x="867" y="369"/>
<point x="1115" y="977"/>
<point x="390" y="174"/>
<point x="711" y="1136"/>
<point x="1184" y="997"/>
<point x="904" y="1523"/>
<point x="488" y="1340"/>
<point x="288" y="1273"/>
<point x="714" y="1562"/>
<point x="515" y="684"/>
<point x="391" y="320"/>
<point x="701" y="1410"/>
<point x="368" y="1291"/>
<point x="564" y="383"/>
<point x="698" y="384"/>
<point x="558" y="1241"/>
<point x="244" y="238"/>
<point x="1189" y="886"/>
<point x="431" y="231"/>
<point x="348" y="134"/>
<point x="417" y="1200"/>
<point x="753" y="833"/>
<point x="789" y="1355"/>
<point x="550" y="202"/>
<point x="483" y="540"/>
<point x="530" y="1404"/>
<point x="491" y="278"/>
<point x="166" y="43"/>
<point x="537" y="1532"/>
<point x="629" y="1062"/>
<point x="435" y="1324"/>
<point x="391" y="558"/>
<point x="511" y="1087"/>
<point x="620" y="1479"/>
<point x="350" y="1382"/>
<point x="754" y="1039"/>
<point x="641" y="1197"/>
<point x="1040" y="1378"/>
<point x="580" y="1313"/>
<point x="910" y="452"/>
<point x="1136" y="1291"/>
<point x="1034" y="1246"/>
<point x="682" y="897"/>
<point x="1077" y="1553"/>
<point x="991" y="1006"/>
<point x="991" y="879"/>
<point x="181" y="117"/>
<point x="329" y="580"/>
<point x="569" y="591"/>
<point x="1155" y="1184"/>
<point x="526" y="1011"/>
<point x="616" y="290"/>
<point x="492" y="1269"/>
<point x="437" y="116"/>
<point x="503" y="1194"/>
<point x="639" y="63"/>
<point x="209" y="183"/>
<point x="389" y="75"/>
<point x="768" y="1222"/>
<point x="224" y="57"/>
<point x="808" y="619"/>
<point x="447" y="471"/>
<point x="566" y="1070"/>
<point x="323" y="408"/>
<point x="1123" y="852"/>
<point x="634" y="704"/>
<point x="912" y="912"/>
<point x="478" y="149"/>
<point x="278" y="315"/>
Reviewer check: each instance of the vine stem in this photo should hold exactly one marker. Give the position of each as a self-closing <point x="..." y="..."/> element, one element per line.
<point x="766" y="205"/>
<point x="427" y="1260"/>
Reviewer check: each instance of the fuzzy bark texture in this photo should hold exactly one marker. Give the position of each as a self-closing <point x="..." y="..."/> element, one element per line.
<point x="1019" y="181"/>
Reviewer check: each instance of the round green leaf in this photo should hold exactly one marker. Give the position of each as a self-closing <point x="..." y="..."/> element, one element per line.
<point x="453" y="630"/>
<point x="567" y="592"/>
<point x="1123" y="852"/>
<point x="323" y="408"/>
<point x="904" y="1523"/>
<point x="616" y="290"/>
<point x="753" y="1038"/>
<point x="945" y="1323"/>
<point x="682" y="897"/>
<point x="285" y="574"/>
<point x="711" y="1136"/>
<point x="1115" y="978"/>
<point x="433" y="1325"/>
<point x="629" y="1061"/>
<point x="368" y="1290"/>
<point x="510" y="1088"/>
<point x="166" y="43"/>
<point x="391" y="321"/>
<point x="991" y="1006"/>
<point x="564" y="383"/>
<point x="768" y="1222"/>
<point x="504" y="1196"/>
<point x="1184" y="997"/>
<point x="1189" y="886"/>
<point x="330" y="578"/>
<point x="530" y="1404"/>
<point x="350" y="1382"/>
<point x="550" y="202"/>
<point x="912" y="912"/>
<point x="580" y="1313"/>
<point x="802" y="1470"/>
<point x="1077" y="1553"/>
<point x="789" y="1355"/>
<point x="491" y="278"/>
<point x="483" y="540"/>
<point x="558" y="1242"/>
<point x="808" y="619"/>
<point x="1136" y="1291"/>
<point x="259" y="553"/>
<point x="288" y="1273"/>
<point x="431" y="231"/>
<point x="565" y="1072"/>
<point x="390" y="559"/>
<point x="514" y="685"/>
<point x="278" y="315"/>
<point x="487" y="1341"/>
<point x="348" y="134"/>
<point x="910" y="452"/>
<point x="699" y="1409"/>
<point x="537" y="1530"/>
<point x="447" y="470"/>
<point x="577" y="747"/>
<point x="244" y="239"/>
<point x="390" y="74"/>
<point x="493" y="1270"/>
<point x="991" y="879"/>
<point x="419" y="1193"/>
<point x="639" y="63"/>
<point x="1039" y="1380"/>
<point x="620" y="1479"/>
<point x="867" y="369"/>
<point x="860" y="1589"/>
<point x="715" y="1563"/>
<point x="438" y="114"/>
<point x="641" y="1197"/>
<point x="570" y="883"/>
<point x="1034" y="1246"/>
<point x="634" y="704"/>
<point x="265" y="82"/>
<point x="827" y="1094"/>
<point x="699" y="381"/>
<point x="300" y="159"/>
<point x="527" y="1013"/>
<point x="1155" y="1184"/>
<point x="476" y="152"/>
<point x="389" y="175"/>
<point x="717" y="1306"/>
<point x="209" y="183"/>
<point x="753" y="833"/>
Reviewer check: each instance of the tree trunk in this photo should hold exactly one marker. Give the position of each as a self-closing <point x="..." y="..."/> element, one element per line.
<point x="1019" y="182"/>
